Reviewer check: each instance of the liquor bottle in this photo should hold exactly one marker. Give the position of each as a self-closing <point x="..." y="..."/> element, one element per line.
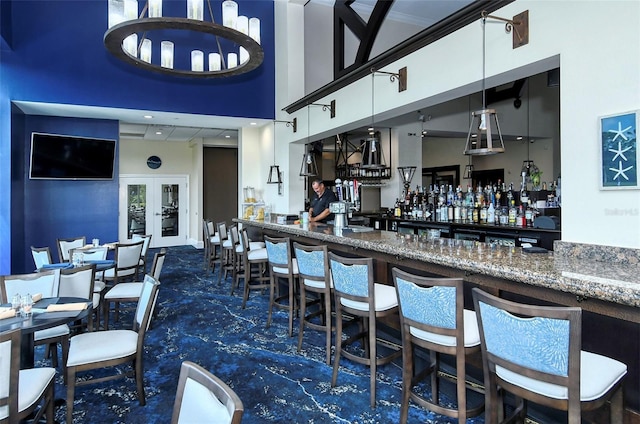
<point x="512" y="213"/>
<point x="491" y="214"/>
<point x="450" y="212"/>
<point x="457" y="204"/>
<point x="476" y="214"/>
<point x="483" y="213"/>
<point x="529" y="215"/>
<point x="397" y="212"/>
<point x="520" y="220"/>
<point x="524" y="196"/>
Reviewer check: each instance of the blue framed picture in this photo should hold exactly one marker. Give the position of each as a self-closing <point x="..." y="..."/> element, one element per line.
<point x="619" y="151"/>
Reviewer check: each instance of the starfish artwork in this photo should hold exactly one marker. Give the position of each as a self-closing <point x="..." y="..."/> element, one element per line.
<point x="620" y="132"/>
<point x="620" y="151"/>
<point x="621" y="171"/>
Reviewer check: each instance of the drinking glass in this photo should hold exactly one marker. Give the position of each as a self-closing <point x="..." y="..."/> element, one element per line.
<point x="16" y="301"/>
<point x="27" y="305"/>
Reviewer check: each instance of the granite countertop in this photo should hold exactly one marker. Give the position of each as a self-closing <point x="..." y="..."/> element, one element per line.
<point x="588" y="278"/>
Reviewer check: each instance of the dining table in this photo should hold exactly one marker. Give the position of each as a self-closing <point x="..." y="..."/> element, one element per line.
<point x="41" y="319"/>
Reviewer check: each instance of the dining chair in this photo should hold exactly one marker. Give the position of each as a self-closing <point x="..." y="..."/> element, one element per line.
<point x="283" y="267"/>
<point x="95" y="255"/>
<point x="47" y="284"/>
<point x="315" y="278"/>
<point x="202" y="397"/>
<point x="66" y="244"/>
<point x="253" y="268"/>
<point x="41" y="256"/>
<point x="103" y="349"/>
<point x="535" y="353"/>
<point x="127" y="257"/>
<point x="358" y="295"/>
<point x="433" y="318"/>
<point x="227" y="252"/>
<point x="130" y="292"/>
<point x="79" y="282"/>
<point x="23" y="392"/>
<point x="143" y="254"/>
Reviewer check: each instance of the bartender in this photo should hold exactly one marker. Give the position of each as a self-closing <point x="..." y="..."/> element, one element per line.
<point x="319" y="210"/>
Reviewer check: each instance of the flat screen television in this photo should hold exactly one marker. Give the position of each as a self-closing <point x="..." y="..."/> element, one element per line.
<point x="71" y="158"/>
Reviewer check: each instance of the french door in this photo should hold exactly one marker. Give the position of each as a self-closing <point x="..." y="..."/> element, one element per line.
<point x="156" y="206"/>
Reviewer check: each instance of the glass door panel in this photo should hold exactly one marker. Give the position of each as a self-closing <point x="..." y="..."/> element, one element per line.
<point x="136" y="209"/>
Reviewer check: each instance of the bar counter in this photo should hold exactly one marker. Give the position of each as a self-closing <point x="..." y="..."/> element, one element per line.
<point x="602" y="287"/>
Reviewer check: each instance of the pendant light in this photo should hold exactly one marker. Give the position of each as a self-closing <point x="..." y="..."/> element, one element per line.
<point x="484" y="136"/>
<point x="468" y="170"/>
<point x="372" y="154"/>
<point x="274" y="170"/>
<point x="529" y="169"/>
<point x="308" y="168"/>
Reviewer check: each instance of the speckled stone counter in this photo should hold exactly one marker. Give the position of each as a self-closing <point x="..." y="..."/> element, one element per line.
<point x="603" y="286"/>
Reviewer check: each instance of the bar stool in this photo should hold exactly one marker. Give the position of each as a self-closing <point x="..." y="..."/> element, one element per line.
<point x="356" y="294"/>
<point x="254" y="267"/>
<point x="236" y="265"/>
<point x="314" y="275"/>
<point x="282" y="266"/>
<point x="226" y="251"/>
<point x="432" y="316"/>
<point x="535" y="353"/>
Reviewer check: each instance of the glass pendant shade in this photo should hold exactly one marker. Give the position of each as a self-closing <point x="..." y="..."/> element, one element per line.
<point x="145" y="50"/>
<point x="242" y="25"/>
<point x="254" y="29"/>
<point x="229" y="13"/>
<point x="214" y="61"/>
<point x="166" y="54"/>
<point x="155" y="8"/>
<point x="195" y="9"/>
<point x="484" y="136"/>
<point x="274" y="175"/>
<point x="116" y="12"/>
<point x="244" y="55"/>
<point x="130" y="45"/>
<point x="308" y="167"/>
<point x="197" y="61"/>
<point x="232" y="60"/>
<point x="130" y="9"/>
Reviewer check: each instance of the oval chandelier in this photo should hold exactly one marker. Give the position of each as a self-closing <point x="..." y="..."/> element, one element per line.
<point x="130" y="33"/>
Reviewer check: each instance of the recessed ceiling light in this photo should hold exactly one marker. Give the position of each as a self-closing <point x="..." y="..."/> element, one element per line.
<point x="158" y="132"/>
<point x="253" y="123"/>
<point x="148" y="116"/>
<point x="519" y="137"/>
<point x="227" y="136"/>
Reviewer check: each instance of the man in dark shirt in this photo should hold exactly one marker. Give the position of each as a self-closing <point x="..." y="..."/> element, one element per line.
<point x="319" y="210"/>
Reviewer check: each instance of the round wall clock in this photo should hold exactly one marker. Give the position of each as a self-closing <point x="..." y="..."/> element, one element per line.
<point x="154" y="162"/>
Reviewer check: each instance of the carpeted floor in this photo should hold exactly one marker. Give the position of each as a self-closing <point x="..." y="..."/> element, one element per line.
<point x="199" y="321"/>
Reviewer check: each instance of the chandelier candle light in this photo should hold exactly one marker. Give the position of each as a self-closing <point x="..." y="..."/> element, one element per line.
<point x="130" y="33"/>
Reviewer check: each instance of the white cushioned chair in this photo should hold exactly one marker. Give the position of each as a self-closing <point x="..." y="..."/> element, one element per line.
<point x="283" y="267"/>
<point x="127" y="256"/>
<point x="202" y="398"/>
<point x="102" y="349"/>
<point x="535" y="353"/>
<point x="66" y="244"/>
<point x="41" y="256"/>
<point x="23" y="391"/>
<point x="143" y="254"/>
<point x="130" y="292"/>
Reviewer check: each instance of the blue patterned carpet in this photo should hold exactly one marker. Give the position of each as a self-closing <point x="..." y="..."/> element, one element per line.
<point x="199" y="321"/>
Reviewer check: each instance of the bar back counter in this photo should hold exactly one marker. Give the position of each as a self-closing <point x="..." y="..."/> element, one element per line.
<point x="603" y="281"/>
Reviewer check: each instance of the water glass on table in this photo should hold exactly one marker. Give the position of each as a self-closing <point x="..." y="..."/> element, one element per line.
<point x="26" y="305"/>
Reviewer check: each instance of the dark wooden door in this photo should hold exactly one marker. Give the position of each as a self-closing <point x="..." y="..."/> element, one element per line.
<point x="220" y="184"/>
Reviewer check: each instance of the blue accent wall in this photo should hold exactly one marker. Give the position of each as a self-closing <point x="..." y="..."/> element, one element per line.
<point x="44" y="210"/>
<point x="52" y="51"/>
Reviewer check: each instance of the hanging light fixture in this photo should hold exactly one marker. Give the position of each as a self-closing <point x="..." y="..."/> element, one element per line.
<point x="529" y="169"/>
<point x="372" y="154"/>
<point x="484" y="123"/>
<point x="274" y="170"/>
<point x="130" y="33"/>
<point x="308" y="168"/>
<point x="468" y="170"/>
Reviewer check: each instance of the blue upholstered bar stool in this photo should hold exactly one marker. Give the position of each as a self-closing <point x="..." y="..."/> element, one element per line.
<point x="358" y="295"/>
<point x="535" y="353"/>
<point x="315" y="279"/>
<point x="432" y="317"/>
<point x="282" y="266"/>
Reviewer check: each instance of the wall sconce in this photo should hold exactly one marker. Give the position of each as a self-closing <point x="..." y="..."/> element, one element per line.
<point x="330" y="107"/>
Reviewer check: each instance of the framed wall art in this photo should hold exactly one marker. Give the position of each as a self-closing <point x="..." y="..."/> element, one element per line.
<point x="619" y="151"/>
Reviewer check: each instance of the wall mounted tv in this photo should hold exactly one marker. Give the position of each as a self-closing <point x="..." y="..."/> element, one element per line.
<point x="71" y="158"/>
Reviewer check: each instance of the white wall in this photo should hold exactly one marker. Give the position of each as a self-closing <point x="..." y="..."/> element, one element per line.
<point x="178" y="158"/>
<point x="591" y="86"/>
